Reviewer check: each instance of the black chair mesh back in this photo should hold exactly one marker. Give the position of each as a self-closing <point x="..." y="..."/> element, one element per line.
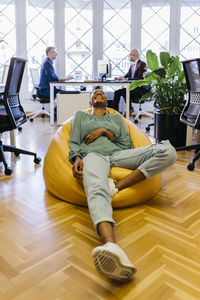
<point x="12" y="113"/>
<point x="16" y="108"/>
<point x="194" y="106"/>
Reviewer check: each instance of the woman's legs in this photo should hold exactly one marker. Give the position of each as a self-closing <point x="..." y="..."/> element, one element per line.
<point x="130" y="179"/>
<point x="145" y="161"/>
<point x="106" y="232"/>
<point x="109" y="259"/>
<point x="96" y="169"/>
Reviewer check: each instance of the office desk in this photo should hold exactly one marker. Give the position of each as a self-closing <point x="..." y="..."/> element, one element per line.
<point x="87" y="83"/>
<point x="100" y="83"/>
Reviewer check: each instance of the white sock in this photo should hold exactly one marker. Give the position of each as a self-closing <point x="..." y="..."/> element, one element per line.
<point x="113" y="189"/>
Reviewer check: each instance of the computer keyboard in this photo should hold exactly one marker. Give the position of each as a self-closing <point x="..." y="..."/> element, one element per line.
<point x="90" y="80"/>
<point x="109" y="80"/>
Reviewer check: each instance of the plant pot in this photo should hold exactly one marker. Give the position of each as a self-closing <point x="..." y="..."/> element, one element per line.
<point x="169" y="127"/>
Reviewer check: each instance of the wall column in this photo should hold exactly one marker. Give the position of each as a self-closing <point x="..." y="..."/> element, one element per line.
<point x="59" y="34"/>
<point x="21" y="43"/>
<point x="97" y="34"/>
<point x="136" y="23"/>
<point x="174" y="28"/>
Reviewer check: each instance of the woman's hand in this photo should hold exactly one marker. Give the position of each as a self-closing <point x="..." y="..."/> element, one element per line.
<point x="120" y="78"/>
<point x="77" y="168"/>
<point x="109" y="135"/>
<point x="95" y="134"/>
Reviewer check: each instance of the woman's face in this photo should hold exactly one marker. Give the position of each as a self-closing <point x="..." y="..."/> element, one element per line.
<point x="98" y="98"/>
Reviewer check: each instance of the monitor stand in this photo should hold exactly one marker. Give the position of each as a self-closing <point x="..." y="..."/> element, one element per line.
<point x="102" y="77"/>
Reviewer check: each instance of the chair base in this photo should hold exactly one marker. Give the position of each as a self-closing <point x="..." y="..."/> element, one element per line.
<point x="42" y="112"/>
<point x="191" y="165"/>
<point x="17" y="152"/>
<point x="142" y="113"/>
<point x="149" y="126"/>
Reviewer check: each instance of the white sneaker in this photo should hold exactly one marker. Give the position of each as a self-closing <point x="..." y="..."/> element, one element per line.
<point x="113" y="189"/>
<point x="111" y="261"/>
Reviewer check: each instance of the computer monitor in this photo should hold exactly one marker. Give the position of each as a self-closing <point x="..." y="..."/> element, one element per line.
<point x="103" y="69"/>
<point x="192" y="74"/>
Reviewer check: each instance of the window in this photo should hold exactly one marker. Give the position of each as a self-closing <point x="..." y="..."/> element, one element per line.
<point x="190" y="29"/>
<point x="7" y="32"/>
<point x="116" y="34"/>
<point x="155" y="26"/>
<point x="78" y="38"/>
<point x="40" y="32"/>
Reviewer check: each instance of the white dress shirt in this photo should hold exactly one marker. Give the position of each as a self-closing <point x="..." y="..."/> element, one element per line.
<point x="133" y="68"/>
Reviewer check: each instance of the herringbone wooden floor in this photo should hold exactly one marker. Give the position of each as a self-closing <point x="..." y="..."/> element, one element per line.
<point x="46" y="244"/>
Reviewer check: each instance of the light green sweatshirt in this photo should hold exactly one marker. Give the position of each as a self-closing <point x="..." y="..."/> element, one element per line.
<point x="83" y="123"/>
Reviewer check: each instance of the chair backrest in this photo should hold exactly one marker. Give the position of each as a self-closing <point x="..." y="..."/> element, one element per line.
<point x="191" y="111"/>
<point x="35" y="77"/>
<point x="15" y="114"/>
<point x="4" y="73"/>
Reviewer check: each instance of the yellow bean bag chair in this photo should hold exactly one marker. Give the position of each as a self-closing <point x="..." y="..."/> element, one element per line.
<point x="60" y="182"/>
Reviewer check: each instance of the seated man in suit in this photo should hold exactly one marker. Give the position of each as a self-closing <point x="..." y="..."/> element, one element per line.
<point x="47" y="73"/>
<point x="135" y="72"/>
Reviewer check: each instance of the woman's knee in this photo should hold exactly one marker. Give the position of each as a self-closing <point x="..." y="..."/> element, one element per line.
<point x="169" y="153"/>
<point x="102" y="166"/>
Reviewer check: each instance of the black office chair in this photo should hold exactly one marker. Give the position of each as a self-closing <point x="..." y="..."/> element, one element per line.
<point x="191" y="111"/>
<point x="141" y="112"/>
<point x="148" y="128"/>
<point x="42" y="99"/>
<point x="12" y="114"/>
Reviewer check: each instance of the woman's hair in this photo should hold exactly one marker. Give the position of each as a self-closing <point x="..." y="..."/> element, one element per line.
<point x="96" y="91"/>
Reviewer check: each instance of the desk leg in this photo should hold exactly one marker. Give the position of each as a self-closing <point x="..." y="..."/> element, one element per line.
<point x="12" y="137"/>
<point x="127" y="102"/>
<point x="189" y="136"/>
<point x="197" y="136"/>
<point x="51" y="104"/>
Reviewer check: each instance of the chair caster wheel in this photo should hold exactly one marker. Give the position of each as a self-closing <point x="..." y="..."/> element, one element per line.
<point x="16" y="154"/>
<point x="135" y="121"/>
<point x="31" y="119"/>
<point x="37" y="160"/>
<point x="147" y="129"/>
<point x="8" y="171"/>
<point x="190" y="167"/>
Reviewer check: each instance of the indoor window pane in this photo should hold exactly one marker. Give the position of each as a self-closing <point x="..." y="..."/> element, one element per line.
<point x="190" y="29"/>
<point x="78" y="38"/>
<point x="7" y="32"/>
<point x="40" y="32"/>
<point x="116" y="34"/>
<point x="155" y="26"/>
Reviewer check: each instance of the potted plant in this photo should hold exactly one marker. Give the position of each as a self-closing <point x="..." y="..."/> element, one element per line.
<point x="168" y="91"/>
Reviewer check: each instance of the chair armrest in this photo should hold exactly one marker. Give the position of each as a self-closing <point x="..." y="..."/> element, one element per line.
<point x="1" y="98"/>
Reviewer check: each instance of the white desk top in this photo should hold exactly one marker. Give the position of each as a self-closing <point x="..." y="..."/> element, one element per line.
<point x="88" y="82"/>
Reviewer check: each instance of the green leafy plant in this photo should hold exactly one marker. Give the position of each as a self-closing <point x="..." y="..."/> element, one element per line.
<point x="167" y="82"/>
